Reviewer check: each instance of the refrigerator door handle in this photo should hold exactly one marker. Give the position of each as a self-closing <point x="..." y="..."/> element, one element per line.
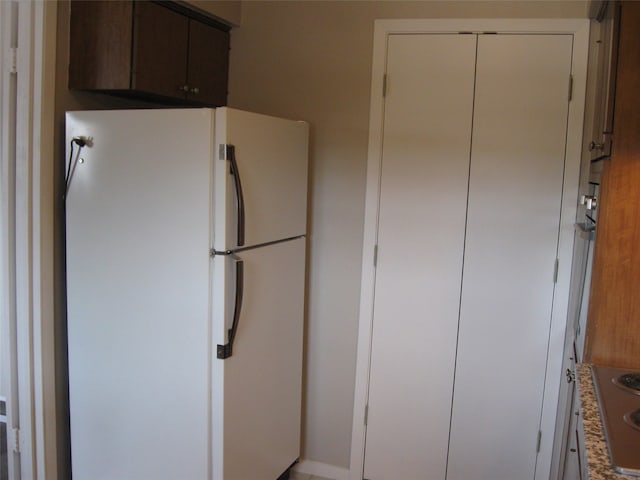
<point x="225" y="351"/>
<point x="231" y="155"/>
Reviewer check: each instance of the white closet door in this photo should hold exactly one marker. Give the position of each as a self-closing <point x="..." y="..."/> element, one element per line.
<point x="517" y="166"/>
<point x="423" y="195"/>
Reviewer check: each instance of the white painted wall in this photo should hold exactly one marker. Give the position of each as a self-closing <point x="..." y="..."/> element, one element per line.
<point x="311" y="60"/>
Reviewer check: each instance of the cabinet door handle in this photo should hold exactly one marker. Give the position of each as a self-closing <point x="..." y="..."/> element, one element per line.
<point x="570" y="375"/>
<point x="183" y="88"/>
<point x="595" y="146"/>
<point x="194" y="90"/>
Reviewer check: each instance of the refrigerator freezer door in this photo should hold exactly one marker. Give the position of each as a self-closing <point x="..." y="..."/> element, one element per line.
<point x="268" y="189"/>
<point x="138" y="239"/>
<point x="257" y="390"/>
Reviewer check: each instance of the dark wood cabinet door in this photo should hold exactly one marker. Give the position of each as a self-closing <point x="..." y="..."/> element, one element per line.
<point x="160" y="42"/>
<point x="100" y="42"/>
<point x="208" y="64"/>
<point x="158" y="51"/>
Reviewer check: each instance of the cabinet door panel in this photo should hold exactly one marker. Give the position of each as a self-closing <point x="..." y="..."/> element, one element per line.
<point x="160" y="43"/>
<point x="423" y="195"/>
<point x="515" y="193"/>
<point x="100" y="45"/>
<point x="208" y="64"/>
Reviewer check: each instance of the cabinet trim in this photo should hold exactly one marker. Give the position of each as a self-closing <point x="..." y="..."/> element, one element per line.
<point x="194" y="14"/>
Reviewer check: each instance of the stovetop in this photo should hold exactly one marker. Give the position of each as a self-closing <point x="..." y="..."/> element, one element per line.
<point x="618" y="392"/>
<point x="633" y="418"/>
<point x="629" y="382"/>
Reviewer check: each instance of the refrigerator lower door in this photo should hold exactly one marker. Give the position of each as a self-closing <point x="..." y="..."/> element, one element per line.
<point x="260" y="176"/>
<point x="257" y="390"/>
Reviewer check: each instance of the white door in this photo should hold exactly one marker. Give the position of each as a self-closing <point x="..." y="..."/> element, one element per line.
<point x="266" y="199"/>
<point x="257" y="390"/>
<point x="470" y="194"/>
<point x="513" y="219"/>
<point x="423" y="197"/>
<point x="138" y="241"/>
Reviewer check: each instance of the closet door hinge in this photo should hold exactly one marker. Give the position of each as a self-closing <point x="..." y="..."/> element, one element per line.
<point x="556" y="265"/>
<point x="13" y="60"/>
<point x="366" y="414"/>
<point x="539" y="441"/>
<point x="384" y="85"/>
<point x="570" y="87"/>
<point x="15" y="440"/>
<point x="375" y="255"/>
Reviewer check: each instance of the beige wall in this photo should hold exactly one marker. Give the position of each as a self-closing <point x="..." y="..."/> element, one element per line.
<point x="312" y="61"/>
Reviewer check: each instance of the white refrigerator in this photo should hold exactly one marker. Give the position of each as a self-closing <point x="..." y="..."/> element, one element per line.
<point x="185" y="236"/>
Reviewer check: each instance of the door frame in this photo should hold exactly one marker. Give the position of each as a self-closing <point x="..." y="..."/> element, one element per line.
<point x="28" y="42"/>
<point x="579" y="28"/>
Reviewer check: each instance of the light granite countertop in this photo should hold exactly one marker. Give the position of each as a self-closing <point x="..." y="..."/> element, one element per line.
<point x="596" y="446"/>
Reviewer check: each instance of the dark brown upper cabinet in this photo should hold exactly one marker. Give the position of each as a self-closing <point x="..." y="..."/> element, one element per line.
<point x="153" y="50"/>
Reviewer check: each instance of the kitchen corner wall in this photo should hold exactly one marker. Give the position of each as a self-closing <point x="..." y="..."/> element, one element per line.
<point x="311" y="60"/>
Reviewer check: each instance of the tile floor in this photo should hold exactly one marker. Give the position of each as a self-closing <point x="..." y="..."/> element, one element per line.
<point x="305" y="476"/>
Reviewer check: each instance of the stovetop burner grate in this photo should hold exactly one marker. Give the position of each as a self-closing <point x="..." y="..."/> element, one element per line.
<point x="633" y="419"/>
<point x="630" y="381"/>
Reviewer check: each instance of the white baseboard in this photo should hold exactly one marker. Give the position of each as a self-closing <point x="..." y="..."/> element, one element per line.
<point x="322" y="470"/>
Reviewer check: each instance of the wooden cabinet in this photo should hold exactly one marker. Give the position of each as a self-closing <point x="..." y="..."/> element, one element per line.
<point x="154" y="50"/>
<point x="576" y="467"/>
<point x="604" y="54"/>
<point x="613" y="335"/>
<point x="160" y="45"/>
<point x="575" y="463"/>
<point x="208" y="63"/>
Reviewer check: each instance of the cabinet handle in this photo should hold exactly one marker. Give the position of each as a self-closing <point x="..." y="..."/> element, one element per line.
<point x="595" y="146"/>
<point x="570" y="376"/>
<point x="183" y="88"/>
<point x="573" y="450"/>
<point x="589" y="201"/>
<point x="194" y="90"/>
